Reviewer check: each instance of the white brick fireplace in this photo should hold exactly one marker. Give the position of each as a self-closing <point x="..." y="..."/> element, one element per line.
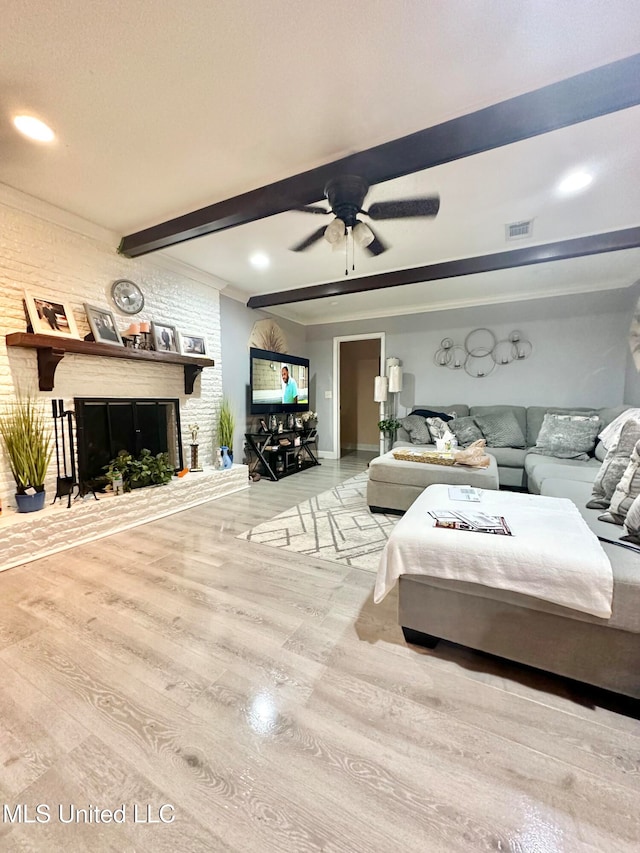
<point x="46" y="249"/>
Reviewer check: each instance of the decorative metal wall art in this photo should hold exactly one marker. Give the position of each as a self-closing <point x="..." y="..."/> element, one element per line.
<point x="482" y="352"/>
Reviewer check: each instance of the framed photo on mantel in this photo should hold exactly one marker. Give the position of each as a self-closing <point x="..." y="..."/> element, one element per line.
<point x="192" y="344"/>
<point x="165" y="337"/>
<point x="48" y="315"/>
<point x="103" y="325"/>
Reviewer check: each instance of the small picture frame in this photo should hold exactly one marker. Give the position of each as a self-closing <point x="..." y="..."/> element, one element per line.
<point x="48" y="315"/>
<point x="103" y="325"/>
<point x="189" y="344"/>
<point x="299" y="424"/>
<point x="165" y="337"/>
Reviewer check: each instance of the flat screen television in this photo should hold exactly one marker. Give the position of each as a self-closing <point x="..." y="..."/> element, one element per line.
<point x="279" y="382"/>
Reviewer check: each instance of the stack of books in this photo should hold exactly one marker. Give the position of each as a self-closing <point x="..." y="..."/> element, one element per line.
<point x="479" y="522"/>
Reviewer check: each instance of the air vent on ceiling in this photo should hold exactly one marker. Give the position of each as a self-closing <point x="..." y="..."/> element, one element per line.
<point x="519" y="230"/>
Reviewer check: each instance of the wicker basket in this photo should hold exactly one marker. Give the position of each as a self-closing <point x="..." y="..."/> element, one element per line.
<point x="430" y="457"/>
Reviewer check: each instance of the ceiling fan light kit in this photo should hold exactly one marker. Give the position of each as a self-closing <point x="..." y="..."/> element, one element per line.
<point x="346" y="195"/>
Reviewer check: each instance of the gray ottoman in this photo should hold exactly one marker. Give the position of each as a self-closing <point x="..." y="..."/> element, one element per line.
<point x="395" y="484"/>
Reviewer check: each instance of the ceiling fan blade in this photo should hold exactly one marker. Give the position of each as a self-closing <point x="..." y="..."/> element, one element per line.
<point x="406" y="207"/>
<point x="311" y="208"/>
<point x="376" y="247"/>
<point x="310" y="240"/>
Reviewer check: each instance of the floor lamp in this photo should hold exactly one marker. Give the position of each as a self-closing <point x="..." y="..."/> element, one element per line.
<point x="394" y="375"/>
<point x="386" y="389"/>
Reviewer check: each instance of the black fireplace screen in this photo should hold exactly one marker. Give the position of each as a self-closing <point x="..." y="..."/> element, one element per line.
<point x="104" y="427"/>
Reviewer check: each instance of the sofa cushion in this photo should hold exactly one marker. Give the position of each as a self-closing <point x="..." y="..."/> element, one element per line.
<point x="532" y="461"/>
<point x="465" y="430"/>
<point x="600" y="452"/>
<point x="567" y="436"/>
<point x="625" y="563"/>
<point x="614" y="465"/>
<point x="417" y="428"/>
<point x="627" y="489"/>
<point x="551" y="470"/>
<point x="519" y="412"/>
<point x="509" y="457"/>
<point x="501" y="429"/>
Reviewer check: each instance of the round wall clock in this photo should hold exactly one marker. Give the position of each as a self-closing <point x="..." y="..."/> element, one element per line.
<point x="127" y="296"/>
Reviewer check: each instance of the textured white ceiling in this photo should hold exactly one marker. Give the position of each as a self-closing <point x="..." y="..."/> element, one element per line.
<point x="162" y="108"/>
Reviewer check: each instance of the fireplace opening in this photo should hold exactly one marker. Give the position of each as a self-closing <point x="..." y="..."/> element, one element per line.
<point x="104" y="427"/>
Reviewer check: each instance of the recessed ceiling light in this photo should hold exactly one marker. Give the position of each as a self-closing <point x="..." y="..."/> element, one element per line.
<point x="335" y="302"/>
<point x="34" y="128"/>
<point x="574" y="182"/>
<point x="259" y="260"/>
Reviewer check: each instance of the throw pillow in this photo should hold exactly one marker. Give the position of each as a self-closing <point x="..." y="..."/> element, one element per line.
<point x="430" y="413"/>
<point x="614" y="466"/>
<point x="611" y="433"/>
<point x="627" y="489"/>
<point x="465" y="430"/>
<point x="417" y="428"/>
<point x="567" y="436"/>
<point x="437" y="428"/>
<point x="501" y="429"/>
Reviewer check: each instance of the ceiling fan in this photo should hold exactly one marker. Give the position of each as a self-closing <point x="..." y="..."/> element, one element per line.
<point x="346" y="195"/>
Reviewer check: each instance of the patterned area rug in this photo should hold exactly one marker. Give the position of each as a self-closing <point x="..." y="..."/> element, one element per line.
<point x="335" y="525"/>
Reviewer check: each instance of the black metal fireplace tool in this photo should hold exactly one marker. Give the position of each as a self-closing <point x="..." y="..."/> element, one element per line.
<point x="66" y="481"/>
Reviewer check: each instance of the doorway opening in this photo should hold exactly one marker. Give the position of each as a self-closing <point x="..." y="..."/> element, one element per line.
<point x="357" y="360"/>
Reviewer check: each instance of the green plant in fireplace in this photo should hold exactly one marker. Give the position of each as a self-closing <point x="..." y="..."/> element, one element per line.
<point x="137" y="472"/>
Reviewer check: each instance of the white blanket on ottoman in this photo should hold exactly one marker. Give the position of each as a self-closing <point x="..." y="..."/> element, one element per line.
<point x="552" y="554"/>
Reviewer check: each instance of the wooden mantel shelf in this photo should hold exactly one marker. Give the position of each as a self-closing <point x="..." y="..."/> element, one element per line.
<point x="53" y="348"/>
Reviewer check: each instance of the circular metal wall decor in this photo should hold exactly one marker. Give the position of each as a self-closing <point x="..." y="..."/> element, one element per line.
<point x="479" y="366"/>
<point x="482" y="352"/>
<point x="480" y="342"/>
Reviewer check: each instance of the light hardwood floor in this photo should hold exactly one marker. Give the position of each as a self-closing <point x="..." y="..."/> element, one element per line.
<point x="268" y="701"/>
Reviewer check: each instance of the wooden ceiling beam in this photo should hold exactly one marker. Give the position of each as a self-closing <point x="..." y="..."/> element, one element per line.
<point x="610" y="241"/>
<point x="593" y="93"/>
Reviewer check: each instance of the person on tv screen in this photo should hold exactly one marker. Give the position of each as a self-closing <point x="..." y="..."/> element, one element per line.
<point x="289" y="387"/>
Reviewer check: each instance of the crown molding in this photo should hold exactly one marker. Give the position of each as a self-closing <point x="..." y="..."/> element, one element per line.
<point x="451" y="304"/>
<point x="170" y="264"/>
<point x="25" y="203"/>
<point x="233" y="293"/>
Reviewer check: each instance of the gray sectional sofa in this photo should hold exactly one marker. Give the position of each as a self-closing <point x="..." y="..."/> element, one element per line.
<point x="511" y="460"/>
<point x="601" y="652"/>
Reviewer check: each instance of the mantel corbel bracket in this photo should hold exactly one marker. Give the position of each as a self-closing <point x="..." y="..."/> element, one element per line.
<point x="191" y="373"/>
<point x="48" y="360"/>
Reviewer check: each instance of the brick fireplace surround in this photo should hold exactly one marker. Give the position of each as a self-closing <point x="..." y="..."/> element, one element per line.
<point x="45" y="250"/>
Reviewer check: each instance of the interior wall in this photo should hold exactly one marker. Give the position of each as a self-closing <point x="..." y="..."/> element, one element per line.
<point x="50" y="259"/>
<point x="579" y="354"/>
<point x="236" y="324"/>
<point x="359" y="365"/>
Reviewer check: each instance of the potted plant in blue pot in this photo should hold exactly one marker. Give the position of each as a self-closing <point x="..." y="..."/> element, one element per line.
<point x="226" y="428"/>
<point x="27" y="443"/>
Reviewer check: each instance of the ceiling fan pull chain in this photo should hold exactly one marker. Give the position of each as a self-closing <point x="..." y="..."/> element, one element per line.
<point x="346" y="254"/>
<point x="353" y="253"/>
